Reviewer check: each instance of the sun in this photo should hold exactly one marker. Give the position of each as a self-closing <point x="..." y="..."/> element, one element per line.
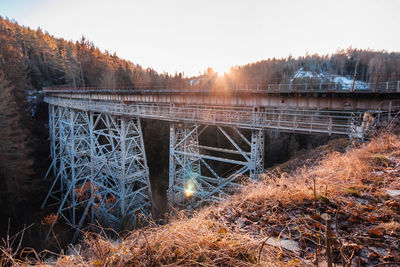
<point x="222" y="69"/>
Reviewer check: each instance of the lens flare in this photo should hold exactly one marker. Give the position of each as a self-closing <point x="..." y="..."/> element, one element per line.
<point x="189" y="188"/>
<point x="188" y="192"/>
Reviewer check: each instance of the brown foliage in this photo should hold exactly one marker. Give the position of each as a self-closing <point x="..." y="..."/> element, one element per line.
<point x="282" y="221"/>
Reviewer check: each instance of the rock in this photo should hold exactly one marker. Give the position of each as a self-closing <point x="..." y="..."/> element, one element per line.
<point x="241" y="222"/>
<point x="393" y="193"/>
<point x="376" y="231"/>
<point x="284" y="243"/>
<point x="325" y="216"/>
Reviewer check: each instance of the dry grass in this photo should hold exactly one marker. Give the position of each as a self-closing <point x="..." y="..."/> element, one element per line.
<point x="234" y="232"/>
<point x="391" y="226"/>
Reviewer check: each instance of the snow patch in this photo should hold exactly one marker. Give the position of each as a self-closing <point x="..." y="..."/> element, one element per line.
<point x="346" y="83"/>
<point x="194" y="82"/>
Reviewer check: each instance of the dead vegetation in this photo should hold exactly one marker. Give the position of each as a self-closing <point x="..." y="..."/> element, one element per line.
<point x="337" y="211"/>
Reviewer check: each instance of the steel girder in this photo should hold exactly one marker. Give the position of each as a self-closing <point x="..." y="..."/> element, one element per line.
<point x="194" y="175"/>
<point x="99" y="166"/>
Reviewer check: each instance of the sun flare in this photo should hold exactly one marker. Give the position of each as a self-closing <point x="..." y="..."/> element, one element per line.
<point x="189" y="188"/>
<point x="222" y="70"/>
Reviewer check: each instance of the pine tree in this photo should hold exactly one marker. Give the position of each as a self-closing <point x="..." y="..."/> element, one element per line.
<point x="15" y="153"/>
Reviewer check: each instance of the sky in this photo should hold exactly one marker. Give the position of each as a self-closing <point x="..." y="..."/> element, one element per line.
<point x="190" y="36"/>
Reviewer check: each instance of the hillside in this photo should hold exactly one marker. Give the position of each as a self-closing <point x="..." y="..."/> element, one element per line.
<point x="350" y="197"/>
<point x="31" y="59"/>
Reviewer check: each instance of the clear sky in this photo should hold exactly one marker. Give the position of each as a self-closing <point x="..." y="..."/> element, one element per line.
<point x="189" y="36"/>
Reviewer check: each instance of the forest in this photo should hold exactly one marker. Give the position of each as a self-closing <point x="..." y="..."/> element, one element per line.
<point x="31" y="59"/>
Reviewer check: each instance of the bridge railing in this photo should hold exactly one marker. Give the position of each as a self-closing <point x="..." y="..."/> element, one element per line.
<point x="283" y="119"/>
<point x="293" y="87"/>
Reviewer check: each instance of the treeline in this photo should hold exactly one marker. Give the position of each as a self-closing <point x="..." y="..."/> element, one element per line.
<point x="49" y="61"/>
<point x="363" y="65"/>
<point x="366" y="65"/>
<point x="33" y="59"/>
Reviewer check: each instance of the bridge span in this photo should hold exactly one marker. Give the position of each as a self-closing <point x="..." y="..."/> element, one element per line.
<point x="98" y="153"/>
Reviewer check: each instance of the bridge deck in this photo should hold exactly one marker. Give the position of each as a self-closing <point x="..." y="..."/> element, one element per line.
<point x="341" y="100"/>
<point x="299" y="108"/>
<point x="287" y="120"/>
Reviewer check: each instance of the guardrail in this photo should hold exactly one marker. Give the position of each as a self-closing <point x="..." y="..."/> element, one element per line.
<point x="333" y="87"/>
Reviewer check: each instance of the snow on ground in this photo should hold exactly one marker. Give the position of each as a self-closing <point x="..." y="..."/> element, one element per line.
<point x="194" y="82"/>
<point x="306" y="74"/>
<point x="345" y="83"/>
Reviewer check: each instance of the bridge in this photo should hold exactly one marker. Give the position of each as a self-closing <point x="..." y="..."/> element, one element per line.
<point x="98" y="153"/>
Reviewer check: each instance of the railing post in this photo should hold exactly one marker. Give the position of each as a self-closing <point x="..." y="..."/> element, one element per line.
<point x="398" y="86"/>
<point x="330" y="89"/>
<point x="311" y="84"/>
<point x="294" y="85"/>
<point x="376" y="84"/>
<point x="352" y="87"/>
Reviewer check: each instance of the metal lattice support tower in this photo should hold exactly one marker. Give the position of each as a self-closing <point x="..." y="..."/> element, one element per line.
<point x="194" y="174"/>
<point x="121" y="181"/>
<point x="70" y="149"/>
<point x="184" y="168"/>
<point x="99" y="166"/>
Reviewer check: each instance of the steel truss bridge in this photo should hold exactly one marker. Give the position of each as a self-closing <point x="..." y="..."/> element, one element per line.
<point x="98" y="153"/>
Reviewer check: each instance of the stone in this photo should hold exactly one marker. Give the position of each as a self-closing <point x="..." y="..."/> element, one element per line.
<point x="284" y="243"/>
<point x="376" y="231"/>
<point x="393" y="193"/>
<point x="241" y="222"/>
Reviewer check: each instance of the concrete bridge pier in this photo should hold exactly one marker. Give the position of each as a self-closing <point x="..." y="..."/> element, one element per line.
<point x="195" y="173"/>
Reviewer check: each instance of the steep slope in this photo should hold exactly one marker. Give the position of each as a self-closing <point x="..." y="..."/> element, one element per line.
<point x="344" y="206"/>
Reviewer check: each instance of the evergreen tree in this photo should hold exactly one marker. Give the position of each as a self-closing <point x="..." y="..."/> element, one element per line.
<point x="15" y="152"/>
